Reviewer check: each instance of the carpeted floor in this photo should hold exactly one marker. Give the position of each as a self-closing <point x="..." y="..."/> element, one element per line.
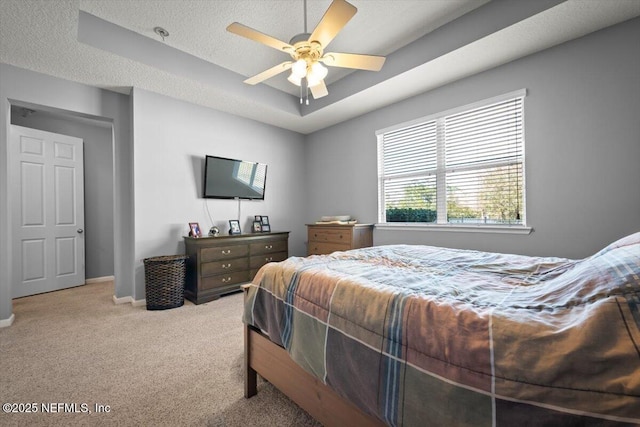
<point x="178" y="367"/>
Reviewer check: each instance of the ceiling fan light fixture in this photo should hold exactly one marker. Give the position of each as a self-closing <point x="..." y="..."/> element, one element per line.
<point x="312" y="81"/>
<point x="319" y="71"/>
<point x="294" y="79"/>
<point x="299" y="69"/>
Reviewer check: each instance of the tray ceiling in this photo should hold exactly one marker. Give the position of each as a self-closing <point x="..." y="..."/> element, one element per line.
<point x="112" y="45"/>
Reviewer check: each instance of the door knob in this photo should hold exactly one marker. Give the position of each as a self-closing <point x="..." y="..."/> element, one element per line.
<point x="80" y="231"/>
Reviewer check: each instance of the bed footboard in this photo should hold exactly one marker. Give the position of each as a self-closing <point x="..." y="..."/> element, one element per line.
<point x="273" y="363"/>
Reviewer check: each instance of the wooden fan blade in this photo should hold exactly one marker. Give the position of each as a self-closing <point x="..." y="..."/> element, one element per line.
<point x="255" y="35"/>
<point x="273" y="71"/>
<point x="353" y="60"/>
<point x="319" y="90"/>
<point x="334" y="19"/>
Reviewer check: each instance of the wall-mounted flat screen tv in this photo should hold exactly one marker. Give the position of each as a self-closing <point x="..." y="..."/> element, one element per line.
<point x="233" y="179"/>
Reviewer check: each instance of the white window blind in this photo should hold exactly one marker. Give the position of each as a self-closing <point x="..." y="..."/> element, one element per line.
<point x="464" y="166"/>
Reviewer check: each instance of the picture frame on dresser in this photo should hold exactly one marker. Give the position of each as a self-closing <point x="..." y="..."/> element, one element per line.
<point x="234" y="227"/>
<point x="257" y="227"/>
<point x="264" y="221"/>
<point x="195" y="230"/>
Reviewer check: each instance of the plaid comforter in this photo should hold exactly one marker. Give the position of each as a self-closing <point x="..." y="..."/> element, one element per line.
<point x="419" y="335"/>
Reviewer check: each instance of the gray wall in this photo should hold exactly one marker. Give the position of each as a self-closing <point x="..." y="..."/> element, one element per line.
<point x="171" y="139"/>
<point x="98" y="181"/>
<point x="582" y="148"/>
<point x="166" y="146"/>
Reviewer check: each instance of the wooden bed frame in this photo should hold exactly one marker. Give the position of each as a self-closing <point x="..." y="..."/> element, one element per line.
<point x="272" y="362"/>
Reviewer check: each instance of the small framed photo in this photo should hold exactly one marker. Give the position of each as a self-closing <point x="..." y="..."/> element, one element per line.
<point x="257" y="218"/>
<point x="257" y="227"/>
<point x="234" y="226"/>
<point x="194" y="230"/>
<point x="266" y="227"/>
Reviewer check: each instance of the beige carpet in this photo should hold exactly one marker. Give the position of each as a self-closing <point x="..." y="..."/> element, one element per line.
<point x="178" y="367"/>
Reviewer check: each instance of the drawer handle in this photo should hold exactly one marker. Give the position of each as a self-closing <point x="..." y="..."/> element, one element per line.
<point x="226" y="265"/>
<point x="341" y="236"/>
<point x="269" y="259"/>
<point x="268" y="246"/>
<point x="226" y="279"/>
<point x="227" y="252"/>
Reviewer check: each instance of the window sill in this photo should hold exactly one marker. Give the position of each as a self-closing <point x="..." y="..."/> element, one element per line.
<point x="503" y="229"/>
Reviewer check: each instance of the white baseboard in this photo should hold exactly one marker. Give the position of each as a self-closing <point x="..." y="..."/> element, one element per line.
<point x="5" y="323"/>
<point x="129" y="300"/>
<point x="122" y="300"/>
<point x="99" y="280"/>
<point x="139" y="302"/>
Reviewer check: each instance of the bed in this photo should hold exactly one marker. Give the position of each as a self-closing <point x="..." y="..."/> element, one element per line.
<point x="406" y="335"/>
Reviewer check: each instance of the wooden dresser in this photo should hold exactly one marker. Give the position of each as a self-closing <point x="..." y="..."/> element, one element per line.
<point x="219" y="265"/>
<point x="327" y="238"/>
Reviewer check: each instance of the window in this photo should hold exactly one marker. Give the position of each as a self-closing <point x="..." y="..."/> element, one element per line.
<point x="460" y="167"/>
<point x="251" y="174"/>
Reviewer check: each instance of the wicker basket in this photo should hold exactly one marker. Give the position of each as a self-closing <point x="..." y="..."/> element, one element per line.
<point x="164" y="281"/>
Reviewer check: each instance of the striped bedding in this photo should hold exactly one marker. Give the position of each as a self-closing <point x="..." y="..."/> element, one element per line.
<point x="420" y="335"/>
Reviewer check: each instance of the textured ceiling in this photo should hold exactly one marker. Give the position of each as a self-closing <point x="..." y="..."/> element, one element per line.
<point x="111" y="44"/>
<point x="198" y="27"/>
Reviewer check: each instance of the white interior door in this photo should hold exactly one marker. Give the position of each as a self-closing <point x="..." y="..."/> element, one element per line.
<point x="47" y="198"/>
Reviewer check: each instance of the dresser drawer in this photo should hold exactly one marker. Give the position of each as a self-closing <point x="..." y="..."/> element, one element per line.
<point x="328" y="235"/>
<point x="223" y="266"/>
<point x="222" y="280"/>
<point x="258" y="261"/>
<point x="268" y="247"/>
<point x="223" y="252"/>
<point x="319" y="248"/>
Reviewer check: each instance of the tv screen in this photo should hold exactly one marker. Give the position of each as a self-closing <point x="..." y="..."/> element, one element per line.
<point x="233" y="179"/>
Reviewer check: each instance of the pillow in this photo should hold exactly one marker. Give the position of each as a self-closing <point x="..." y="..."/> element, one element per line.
<point x="631" y="239"/>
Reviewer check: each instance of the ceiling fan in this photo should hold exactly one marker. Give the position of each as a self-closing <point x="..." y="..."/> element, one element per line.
<point x="307" y="51"/>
